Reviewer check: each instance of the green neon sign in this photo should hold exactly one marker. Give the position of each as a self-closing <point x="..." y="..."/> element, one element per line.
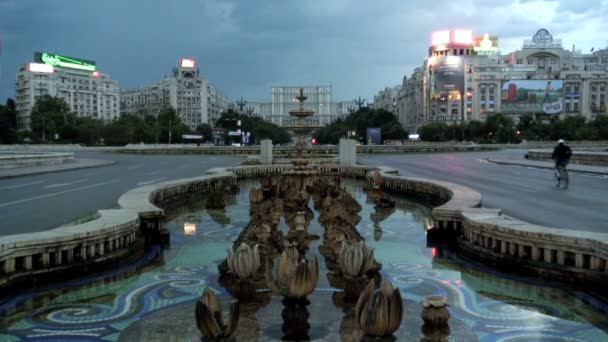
<point x="64" y="61"/>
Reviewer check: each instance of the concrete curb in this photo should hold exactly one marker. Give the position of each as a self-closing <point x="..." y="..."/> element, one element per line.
<point x="14" y="173"/>
<point x="571" y="167"/>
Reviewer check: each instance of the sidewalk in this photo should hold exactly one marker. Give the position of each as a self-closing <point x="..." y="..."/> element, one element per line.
<point x="596" y="170"/>
<point x="79" y="163"/>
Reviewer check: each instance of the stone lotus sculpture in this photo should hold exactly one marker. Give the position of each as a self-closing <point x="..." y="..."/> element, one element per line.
<point x="435" y="313"/>
<point x="355" y="260"/>
<point x="244" y="263"/>
<point x="209" y="318"/>
<point x="379" y="311"/>
<point x="296" y="279"/>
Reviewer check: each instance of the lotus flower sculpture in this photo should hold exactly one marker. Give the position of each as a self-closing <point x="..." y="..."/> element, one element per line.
<point x="379" y="311"/>
<point x="244" y="263"/>
<point x="356" y="258"/>
<point x="296" y="278"/>
<point x="209" y="318"/>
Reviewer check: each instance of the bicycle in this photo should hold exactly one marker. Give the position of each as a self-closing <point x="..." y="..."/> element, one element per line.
<point x="561" y="174"/>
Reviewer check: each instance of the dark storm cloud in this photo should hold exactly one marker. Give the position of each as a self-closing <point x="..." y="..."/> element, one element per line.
<point x="244" y="47"/>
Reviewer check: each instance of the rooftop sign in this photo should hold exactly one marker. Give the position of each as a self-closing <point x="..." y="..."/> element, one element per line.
<point x="187" y="63"/>
<point x="64" y="61"/>
<point x="542" y="39"/>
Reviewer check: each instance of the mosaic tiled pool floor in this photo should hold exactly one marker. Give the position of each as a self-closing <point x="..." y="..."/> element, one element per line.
<point x="156" y="302"/>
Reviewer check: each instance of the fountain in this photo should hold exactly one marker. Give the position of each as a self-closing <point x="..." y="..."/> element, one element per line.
<point x="352" y="265"/>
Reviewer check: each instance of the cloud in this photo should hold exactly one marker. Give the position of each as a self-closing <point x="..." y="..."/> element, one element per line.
<point x="244" y="47"/>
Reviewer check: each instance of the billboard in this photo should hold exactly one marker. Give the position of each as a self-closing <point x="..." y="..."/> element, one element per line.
<point x="64" y="61"/>
<point x="446" y="75"/>
<point x="374" y="136"/>
<point x="532" y="96"/>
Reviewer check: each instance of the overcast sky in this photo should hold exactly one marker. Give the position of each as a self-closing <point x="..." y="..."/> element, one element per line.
<point x="244" y="47"/>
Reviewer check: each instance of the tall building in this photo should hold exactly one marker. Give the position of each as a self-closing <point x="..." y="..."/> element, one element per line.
<point x="465" y="77"/>
<point x="192" y="96"/>
<point x="284" y="100"/>
<point x="387" y="99"/>
<point x="88" y="92"/>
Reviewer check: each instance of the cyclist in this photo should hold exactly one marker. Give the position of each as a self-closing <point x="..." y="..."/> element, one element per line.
<point x="561" y="155"/>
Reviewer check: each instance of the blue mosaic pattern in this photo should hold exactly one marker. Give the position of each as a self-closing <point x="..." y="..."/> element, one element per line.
<point x="494" y="307"/>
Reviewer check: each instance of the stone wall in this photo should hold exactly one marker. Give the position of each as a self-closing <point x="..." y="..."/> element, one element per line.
<point x="578" y="157"/>
<point x="13" y="160"/>
<point x="482" y="233"/>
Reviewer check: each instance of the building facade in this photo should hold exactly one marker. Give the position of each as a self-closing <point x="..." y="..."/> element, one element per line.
<point x="88" y="92"/>
<point x="387" y="99"/>
<point x="466" y="78"/>
<point x="284" y="100"/>
<point x="191" y="95"/>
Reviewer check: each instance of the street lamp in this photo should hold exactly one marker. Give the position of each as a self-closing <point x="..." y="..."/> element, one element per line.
<point x="241" y="104"/>
<point x="359" y="102"/>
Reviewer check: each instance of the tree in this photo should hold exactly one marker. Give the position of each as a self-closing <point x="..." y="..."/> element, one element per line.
<point x="8" y="123"/>
<point x="171" y="127"/>
<point x="359" y="122"/>
<point x="257" y="127"/>
<point x="50" y="115"/>
<point x="205" y="130"/>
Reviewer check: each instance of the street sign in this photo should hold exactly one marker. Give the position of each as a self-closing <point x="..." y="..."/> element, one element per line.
<point x="234" y="133"/>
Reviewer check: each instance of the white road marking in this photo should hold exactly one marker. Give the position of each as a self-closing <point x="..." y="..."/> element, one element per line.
<point x="59" y="185"/>
<point x="57" y="193"/>
<point x="20" y="185"/>
<point x="133" y="167"/>
<point x="150" y="181"/>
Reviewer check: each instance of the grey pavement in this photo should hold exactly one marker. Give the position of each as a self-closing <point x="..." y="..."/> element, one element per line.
<point x="79" y="163"/>
<point x="44" y="201"/>
<point x="524" y="192"/>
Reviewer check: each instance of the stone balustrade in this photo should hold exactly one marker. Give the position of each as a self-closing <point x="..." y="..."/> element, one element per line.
<point x="13" y="160"/>
<point x="26" y="258"/>
<point x="483" y="233"/>
<point x="562" y="254"/>
<point x="596" y="158"/>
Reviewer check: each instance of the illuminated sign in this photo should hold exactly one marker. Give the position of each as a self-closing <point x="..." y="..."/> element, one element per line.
<point x="188" y="63"/>
<point x="41" y="68"/>
<point x="462" y="37"/>
<point x="64" y="61"/>
<point x="486" y="45"/>
<point x="96" y="74"/>
<point x="440" y="38"/>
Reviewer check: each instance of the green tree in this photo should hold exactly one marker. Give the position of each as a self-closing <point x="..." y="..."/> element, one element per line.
<point x="8" y="122"/>
<point x="171" y="126"/>
<point x="600" y="123"/>
<point x="359" y="122"/>
<point x="257" y="127"/>
<point x="204" y="130"/>
<point x="51" y="115"/>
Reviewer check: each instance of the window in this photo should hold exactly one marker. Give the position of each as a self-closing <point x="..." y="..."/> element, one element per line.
<point x="530" y="61"/>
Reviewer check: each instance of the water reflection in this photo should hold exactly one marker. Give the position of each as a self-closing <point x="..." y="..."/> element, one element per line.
<point x="138" y="304"/>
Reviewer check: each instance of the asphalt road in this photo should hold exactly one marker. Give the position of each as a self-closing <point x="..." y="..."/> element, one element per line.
<point x="41" y="202"/>
<point x="522" y="192"/>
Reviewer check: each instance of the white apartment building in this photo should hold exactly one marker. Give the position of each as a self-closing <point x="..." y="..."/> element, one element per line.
<point x="88" y="92"/>
<point x="192" y="96"/>
<point x="387" y="99"/>
<point x="467" y="78"/>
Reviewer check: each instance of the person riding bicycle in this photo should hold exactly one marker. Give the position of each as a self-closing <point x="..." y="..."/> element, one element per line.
<point x="561" y="155"/>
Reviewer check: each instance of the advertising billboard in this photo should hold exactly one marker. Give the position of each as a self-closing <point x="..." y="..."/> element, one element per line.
<point x="64" y="61"/>
<point x="532" y="96"/>
<point x="374" y="136"/>
<point x="446" y="75"/>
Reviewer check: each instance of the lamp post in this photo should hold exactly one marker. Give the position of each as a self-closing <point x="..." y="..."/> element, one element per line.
<point x="359" y="102"/>
<point x="241" y="104"/>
